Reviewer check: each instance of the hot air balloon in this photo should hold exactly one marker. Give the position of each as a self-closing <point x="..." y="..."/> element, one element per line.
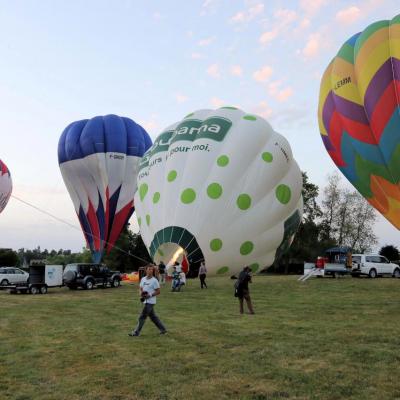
<point x="220" y="186"/>
<point x="359" y="116"/>
<point x="99" y="160"/>
<point x="5" y="185"/>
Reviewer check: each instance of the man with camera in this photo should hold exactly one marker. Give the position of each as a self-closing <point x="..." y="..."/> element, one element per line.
<point x="149" y="289"/>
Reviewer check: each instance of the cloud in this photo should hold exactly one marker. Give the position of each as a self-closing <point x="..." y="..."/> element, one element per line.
<point x="312" y="7"/>
<point x="206" y="41"/>
<point x="213" y="70"/>
<point x="181" y="98"/>
<point x="209" y="6"/>
<point x="312" y="46"/>
<point x="249" y="14"/>
<point x="262" y="109"/>
<point x="150" y="125"/>
<point x="268" y="36"/>
<point x="263" y="74"/>
<point x="283" y="17"/>
<point x="197" y="56"/>
<point x="278" y="93"/>
<point x="348" y="15"/>
<point x="158" y="16"/>
<point x="236" y="70"/>
<point x="284" y="94"/>
<point x="217" y="103"/>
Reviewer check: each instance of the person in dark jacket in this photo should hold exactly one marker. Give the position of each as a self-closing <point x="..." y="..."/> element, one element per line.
<point x="242" y="289"/>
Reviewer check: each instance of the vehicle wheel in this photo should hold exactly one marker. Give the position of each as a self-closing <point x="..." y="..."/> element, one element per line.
<point x="372" y="273"/>
<point x="4" y="282"/>
<point x="34" y="290"/>
<point x="396" y="273"/>
<point x="116" y="282"/>
<point x="89" y="285"/>
<point x="43" y="290"/>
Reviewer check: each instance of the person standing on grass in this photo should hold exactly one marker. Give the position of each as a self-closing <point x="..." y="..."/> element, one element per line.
<point x="161" y="270"/>
<point x="202" y="275"/>
<point x="242" y="289"/>
<point x="149" y="289"/>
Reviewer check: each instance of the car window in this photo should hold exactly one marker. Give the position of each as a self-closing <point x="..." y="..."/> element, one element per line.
<point x="356" y="259"/>
<point x="70" y="267"/>
<point x="374" y="259"/>
<point x="2" y="271"/>
<point x="384" y="260"/>
<point x="18" y="271"/>
<point x="10" y="271"/>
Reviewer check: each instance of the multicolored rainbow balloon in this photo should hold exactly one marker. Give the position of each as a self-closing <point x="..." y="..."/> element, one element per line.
<point x="359" y="117"/>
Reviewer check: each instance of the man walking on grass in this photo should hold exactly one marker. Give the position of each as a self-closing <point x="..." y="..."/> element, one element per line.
<point x="242" y="289"/>
<point x="149" y="289"/>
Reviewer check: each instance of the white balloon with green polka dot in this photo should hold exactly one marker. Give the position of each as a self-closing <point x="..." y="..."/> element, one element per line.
<point x="229" y="180"/>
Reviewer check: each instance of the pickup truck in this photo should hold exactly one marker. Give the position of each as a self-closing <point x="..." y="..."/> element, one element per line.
<point x="373" y="265"/>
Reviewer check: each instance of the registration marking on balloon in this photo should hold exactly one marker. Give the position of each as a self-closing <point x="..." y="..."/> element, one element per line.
<point x="221" y="185"/>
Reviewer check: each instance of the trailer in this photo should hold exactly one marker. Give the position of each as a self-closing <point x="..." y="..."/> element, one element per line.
<point x="41" y="278"/>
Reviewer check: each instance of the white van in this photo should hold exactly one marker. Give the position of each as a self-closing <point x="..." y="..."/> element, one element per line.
<point x="373" y="265"/>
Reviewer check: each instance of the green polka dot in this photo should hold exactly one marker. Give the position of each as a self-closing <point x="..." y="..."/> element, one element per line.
<point x="188" y="196"/>
<point x="243" y="201"/>
<point x="160" y="252"/>
<point x="216" y="244"/>
<point x="223" y="270"/>
<point x="143" y="189"/>
<point x="250" y="117"/>
<point x="148" y="219"/>
<point x="246" y="248"/>
<point x="189" y="115"/>
<point x="267" y="157"/>
<point x="139" y="220"/>
<point x="283" y="193"/>
<point x="229" y="108"/>
<point x="156" y="197"/>
<point x="214" y="190"/>
<point x="172" y="175"/>
<point x="223" y="161"/>
<point x="254" y="267"/>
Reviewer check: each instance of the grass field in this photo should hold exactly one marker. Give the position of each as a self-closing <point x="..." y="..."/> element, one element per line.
<point x="323" y="339"/>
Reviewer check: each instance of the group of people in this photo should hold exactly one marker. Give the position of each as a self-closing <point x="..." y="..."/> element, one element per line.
<point x="150" y="289"/>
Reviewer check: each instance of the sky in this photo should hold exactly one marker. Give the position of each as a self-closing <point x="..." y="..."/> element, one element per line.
<point x="155" y="62"/>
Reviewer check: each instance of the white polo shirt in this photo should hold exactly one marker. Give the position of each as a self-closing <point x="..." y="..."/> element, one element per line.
<point x="150" y="286"/>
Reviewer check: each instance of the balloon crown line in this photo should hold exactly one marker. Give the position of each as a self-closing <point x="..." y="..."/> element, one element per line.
<point x="74" y="226"/>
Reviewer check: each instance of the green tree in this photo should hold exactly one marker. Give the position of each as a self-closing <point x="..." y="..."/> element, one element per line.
<point x="8" y="258"/>
<point x="390" y="252"/>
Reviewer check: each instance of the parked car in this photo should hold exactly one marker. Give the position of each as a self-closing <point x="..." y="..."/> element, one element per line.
<point x="12" y="275"/>
<point x="373" y="265"/>
<point x="88" y="276"/>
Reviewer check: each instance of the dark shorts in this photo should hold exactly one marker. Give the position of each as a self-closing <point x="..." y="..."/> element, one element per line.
<point x="243" y="294"/>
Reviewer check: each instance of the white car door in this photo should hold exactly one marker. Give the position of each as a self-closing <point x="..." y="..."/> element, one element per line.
<point x="11" y="276"/>
<point x="20" y="276"/>
<point x="369" y="264"/>
<point x="386" y="266"/>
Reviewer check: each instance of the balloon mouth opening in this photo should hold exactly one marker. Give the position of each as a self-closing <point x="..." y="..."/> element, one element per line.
<point x="176" y="244"/>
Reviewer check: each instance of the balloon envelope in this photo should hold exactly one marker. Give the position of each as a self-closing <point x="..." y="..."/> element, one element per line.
<point x="219" y="186"/>
<point x="5" y="185"/>
<point x="99" y="160"/>
<point x="359" y="116"/>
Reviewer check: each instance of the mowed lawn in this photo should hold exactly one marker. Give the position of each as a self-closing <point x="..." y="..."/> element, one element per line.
<point x="322" y="339"/>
